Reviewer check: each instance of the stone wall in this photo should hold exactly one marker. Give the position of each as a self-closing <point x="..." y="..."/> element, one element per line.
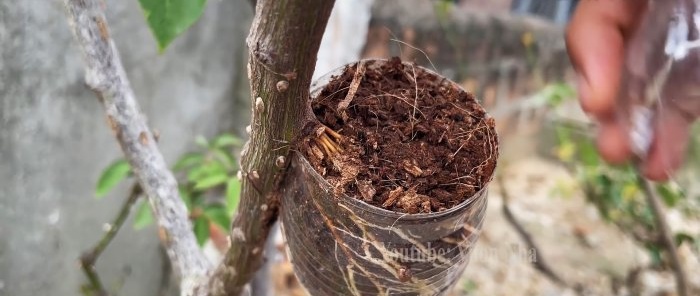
<point x="54" y="141"/>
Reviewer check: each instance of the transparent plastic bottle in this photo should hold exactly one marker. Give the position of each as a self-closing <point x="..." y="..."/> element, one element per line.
<point x="662" y="70"/>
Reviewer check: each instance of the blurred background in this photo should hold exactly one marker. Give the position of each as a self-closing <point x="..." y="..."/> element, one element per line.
<point x="589" y="221"/>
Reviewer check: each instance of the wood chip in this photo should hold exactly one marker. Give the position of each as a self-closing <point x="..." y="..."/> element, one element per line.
<point x="393" y="197"/>
<point x="354" y="85"/>
<point x="366" y="190"/>
<point x="411" y="166"/>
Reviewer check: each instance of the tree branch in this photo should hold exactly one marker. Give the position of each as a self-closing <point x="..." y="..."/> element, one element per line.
<point x="283" y="43"/>
<point x="105" y="75"/>
<point x="665" y="235"/>
<point x="88" y="259"/>
<point x="540" y="263"/>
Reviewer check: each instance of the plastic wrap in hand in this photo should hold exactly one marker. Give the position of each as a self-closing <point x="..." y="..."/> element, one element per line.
<point x="661" y="68"/>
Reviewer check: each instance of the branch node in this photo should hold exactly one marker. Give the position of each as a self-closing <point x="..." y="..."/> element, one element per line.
<point x="282" y="86"/>
<point x="259" y="105"/>
<point x="237" y="234"/>
<point x="280" y="161"/>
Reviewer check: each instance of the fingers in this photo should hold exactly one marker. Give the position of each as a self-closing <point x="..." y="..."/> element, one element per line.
<point x="667" y="151"/>
<point x="596" y="44"/>
<point x="596" y="40"/>
<point x="613" y="141"/>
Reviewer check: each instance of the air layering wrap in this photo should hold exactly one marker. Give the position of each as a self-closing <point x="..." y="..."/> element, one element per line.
<point x="341" y="245"/>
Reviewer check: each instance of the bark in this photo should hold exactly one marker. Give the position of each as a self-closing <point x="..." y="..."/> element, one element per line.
<point x="105" y="75"/>
<point x="283" y="42"/>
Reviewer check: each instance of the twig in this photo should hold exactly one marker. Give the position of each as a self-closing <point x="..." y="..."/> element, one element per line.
<point x="89" y="258"/>
<point x="105" y="75"/>
<point x="540" y="263"/>
<point x="665" y="234"/>
<point x="354" y="85"/>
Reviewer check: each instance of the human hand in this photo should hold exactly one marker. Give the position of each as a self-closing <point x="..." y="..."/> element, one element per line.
<point x="619" y="51"/>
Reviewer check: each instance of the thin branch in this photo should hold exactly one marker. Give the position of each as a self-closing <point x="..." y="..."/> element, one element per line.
<point x="665" y="235"/>
<point x="105" y="75"/>
<point x="539" y="264"/>
<point x="89" y="258"/>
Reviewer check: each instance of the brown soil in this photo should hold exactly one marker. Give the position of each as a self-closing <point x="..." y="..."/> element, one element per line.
<point x="406" y="147"/>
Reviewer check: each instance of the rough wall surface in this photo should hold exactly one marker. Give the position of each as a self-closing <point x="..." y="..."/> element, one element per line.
<point x="54" y="141"/>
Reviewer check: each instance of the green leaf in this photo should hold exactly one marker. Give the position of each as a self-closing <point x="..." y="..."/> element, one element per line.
<point x="206" y="170"/>
<point x="589" y="154"/>
<point x="226" y="140"/>
<point x="210" y="181"/>
<point x="224" y="157"/>
<point x="233" y="193"/>
<point x="684" y="237"/>
<point x="218" y="215"/>
<point x="555" y="94"/>
<point x="670" y="196"/>
<point x="111" y="176"/>
<point x="143" y="217"/>
<point x="201" y="230"/>
<point x="655" y="254"/>
<point x="170" y="18"/>
<point x="188" y="160"/>
<point x="186" y="197"/>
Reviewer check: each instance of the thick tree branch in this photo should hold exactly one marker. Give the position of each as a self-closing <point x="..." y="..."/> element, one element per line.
<point x="105" y="75"/>
<point x="283" y="43"/>
<point x="665" y="235"/>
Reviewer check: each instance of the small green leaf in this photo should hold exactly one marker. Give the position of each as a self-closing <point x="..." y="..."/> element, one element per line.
<point x="226" y="140"/>
<point x="143" y="217"/>
<point x="201" y="230"/>
<point x="170" y="18"/>
<point x="233" y="193"/>
<point x="218" y="215"/>
<point x="670" y="197"/>
<point x="188" y="160"/>
<point x="206" y="170"/>
<point x="224" y="157"/>
<point x="210" y="181"/>
<point x="655" y="254"/>
<point x="186" y="197"/>
<point x="589" y="154"/>
<point x="111" y="176"/>
<point x="684" y="237"/>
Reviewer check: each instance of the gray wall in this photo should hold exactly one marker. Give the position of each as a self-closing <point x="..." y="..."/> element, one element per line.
<point x="54" y="141"/>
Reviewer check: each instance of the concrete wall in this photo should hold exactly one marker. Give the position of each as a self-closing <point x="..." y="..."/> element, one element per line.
<point x="54" y="140"/>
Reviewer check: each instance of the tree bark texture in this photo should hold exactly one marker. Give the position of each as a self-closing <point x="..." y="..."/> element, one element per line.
<point x="105" y="75"/>
<point x="283" y="42"/>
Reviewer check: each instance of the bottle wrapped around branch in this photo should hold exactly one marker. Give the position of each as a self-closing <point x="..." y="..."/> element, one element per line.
<point x="387" y="192"/>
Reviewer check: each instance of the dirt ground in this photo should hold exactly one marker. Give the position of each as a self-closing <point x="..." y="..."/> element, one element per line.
<point x="572" y="238"/>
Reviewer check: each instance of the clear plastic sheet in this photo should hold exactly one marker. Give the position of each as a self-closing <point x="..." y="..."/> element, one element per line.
<point x="340" y="245"/>
<point x="662" y="70"/>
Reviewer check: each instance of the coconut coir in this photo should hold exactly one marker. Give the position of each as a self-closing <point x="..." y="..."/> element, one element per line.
<point x="411" y="141"/>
